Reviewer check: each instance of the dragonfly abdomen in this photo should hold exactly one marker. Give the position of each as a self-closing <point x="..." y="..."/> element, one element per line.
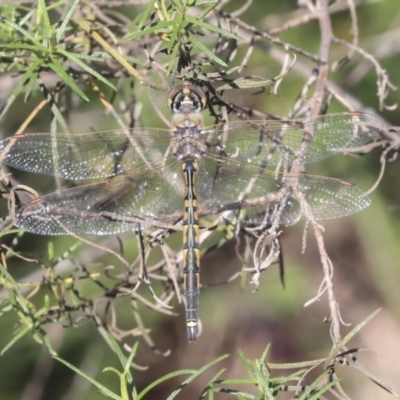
<point x="191" y="249"/>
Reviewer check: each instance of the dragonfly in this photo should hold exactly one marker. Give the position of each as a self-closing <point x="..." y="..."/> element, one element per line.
<point x="180" y="176"/>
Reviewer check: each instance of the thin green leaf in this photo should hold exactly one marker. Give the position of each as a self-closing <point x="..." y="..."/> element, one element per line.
<point x="123" y="387"/>
<point x="246" y="364"/>
<point x="349" y="336"/>
<point x="158" y="27"/>
<point x="32" y="81"/>
<point x="101" y="387"/>
<point x="7" y="276"/>
<point x="95" y="56"/>
<point x="209" y="53"/>
<point x="236" y="381"/>
<point x="204" y="2"/>
<point x="56" y="5"/>
<point x="317" y="396"/>
<point x="213" y="28"/>
<point x="141" y="19"/>
<point x="43" y="21"/>
<point x="127" y="372"/>
<point x="58" y="69"/>
<point x="26" y="76"/>
<point x="265" y="353"/>
<point x="58" y="116"/>
<point x="63" y="26"/>
<point x="129" y="362"/>
<point x="27" y="17"/>
<point x="361" y="325"/>
<point x="162" y="11"/>
<point x="195" y="375"/>
<point x="49" y="347"/>
<point x="163" y="379"/>
<point x="115" y="347"/>
<point x="207" y="10"/>
<point x="174" y="35"/>
<point x="27" y="35"/>
<point x="20" y="46"/>
<point x="314" y="386"/>
<point x="112" y="369"/>
<point x="179" y="6"/>
<point x="210" y="385"/>
<point x="124" y="391"/>
<point x="5" y="309"/>
<point x="16" y="336"/>
<point x="303" y="364"/>
<point x="245" y="83"/>
<point x="173" y="57"/>
<point x="86" y="67"/>
<point x="252" y="82"/>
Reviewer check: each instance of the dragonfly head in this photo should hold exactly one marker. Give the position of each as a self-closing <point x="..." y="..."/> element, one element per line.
<point x="187" y="99"/>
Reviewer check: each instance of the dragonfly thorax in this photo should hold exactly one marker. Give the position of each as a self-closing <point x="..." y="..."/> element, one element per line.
<point x="188" y="142"/>
<point x="186" y="102"/>
<point x="187" y="121"/>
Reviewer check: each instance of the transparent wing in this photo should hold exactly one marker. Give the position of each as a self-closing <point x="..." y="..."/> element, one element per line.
<point x="83" y="156"/>
<point x="104" y="154"/>
<point x="228" y="186"/>
<point x="119" y="204"/>
<point x="147" y="187"/>
<point x="274" y="142"/>
<point x="145" y="198"/>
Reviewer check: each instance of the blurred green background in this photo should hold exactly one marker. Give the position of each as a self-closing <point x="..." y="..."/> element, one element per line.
<point x="364" y="248"/>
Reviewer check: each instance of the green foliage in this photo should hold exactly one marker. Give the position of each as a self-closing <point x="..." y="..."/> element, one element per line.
<point x="178" y="29"/>
<point x="259" y="377"/>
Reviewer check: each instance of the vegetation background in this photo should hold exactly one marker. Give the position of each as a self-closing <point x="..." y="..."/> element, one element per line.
<point x="364" y="248"/>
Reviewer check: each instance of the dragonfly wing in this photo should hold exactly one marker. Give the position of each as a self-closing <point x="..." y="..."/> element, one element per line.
<point x="230" y="187"/>
<point x="340" y="133"/>
<point x="85" y="156"/>
<point x="274" y="142"/>
<point x="122" y="203"/>
<point x="103" y="154"/>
